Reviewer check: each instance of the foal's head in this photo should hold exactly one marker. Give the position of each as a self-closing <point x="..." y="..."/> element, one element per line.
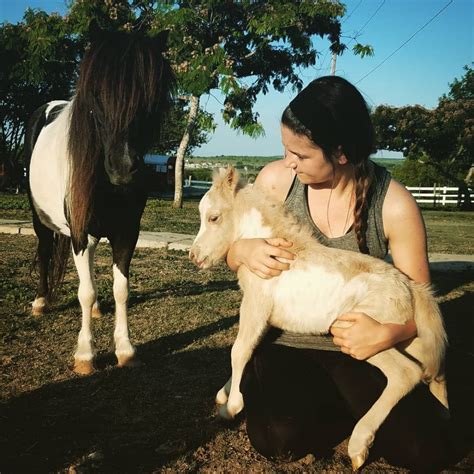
<point x="218" y="222"/>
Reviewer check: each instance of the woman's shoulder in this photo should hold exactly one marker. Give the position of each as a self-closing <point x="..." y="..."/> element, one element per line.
<point x="398" y="203"/>
<point x="275" y="179"/>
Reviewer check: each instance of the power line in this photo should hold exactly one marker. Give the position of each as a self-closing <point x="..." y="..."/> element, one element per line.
<point x="409" y="39"/>
<point x="359" y="31"/>
<point x="350" y="14"/>
<point x="368" y="21"/>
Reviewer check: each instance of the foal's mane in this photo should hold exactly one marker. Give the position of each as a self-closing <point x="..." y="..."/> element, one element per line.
<point x="121" y="76"/>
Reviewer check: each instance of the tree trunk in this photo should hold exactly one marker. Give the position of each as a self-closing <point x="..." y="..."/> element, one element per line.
<point x="178" y="180"/>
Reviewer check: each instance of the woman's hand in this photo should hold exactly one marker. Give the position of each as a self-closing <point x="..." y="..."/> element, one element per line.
<point x="364" y="337"/>
<point x="260" y="256"/>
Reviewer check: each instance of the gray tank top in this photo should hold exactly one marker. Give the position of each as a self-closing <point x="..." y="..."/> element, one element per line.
<point x="297" y="203"/>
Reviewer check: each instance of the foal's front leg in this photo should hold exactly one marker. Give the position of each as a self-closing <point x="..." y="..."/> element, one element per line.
<point x="87" y="294"/>
<point x="252" y="326"/>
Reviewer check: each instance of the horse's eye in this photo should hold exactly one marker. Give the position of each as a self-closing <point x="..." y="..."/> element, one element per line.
<point x="213" y="219"/>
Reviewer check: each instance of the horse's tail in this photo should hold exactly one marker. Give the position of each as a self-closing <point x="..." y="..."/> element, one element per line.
<point x="60" y="249"/>
<point x="430" y="327"/>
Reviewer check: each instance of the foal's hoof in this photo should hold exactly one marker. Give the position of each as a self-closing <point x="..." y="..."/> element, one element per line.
<point x="96" y="312"/>
<point x="224" y="413"/>
<point x="129" y="361"/>
<point x="358" y="461"/>
<point x="83" y="367"/>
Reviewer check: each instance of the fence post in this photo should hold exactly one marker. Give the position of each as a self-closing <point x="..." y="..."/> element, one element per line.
<point x="434" y="195"/>
<point x="443" y="202"/>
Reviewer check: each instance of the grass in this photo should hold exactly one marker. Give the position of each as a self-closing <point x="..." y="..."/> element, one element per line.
<point x="448" y="231"/>
<point x="159" y="417"/>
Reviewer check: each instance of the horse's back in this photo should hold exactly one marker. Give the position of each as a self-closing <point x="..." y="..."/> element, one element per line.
<point x="46" y="151"/>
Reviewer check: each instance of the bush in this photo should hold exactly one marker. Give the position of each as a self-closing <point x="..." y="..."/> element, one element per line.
<point x="414" y="173"/>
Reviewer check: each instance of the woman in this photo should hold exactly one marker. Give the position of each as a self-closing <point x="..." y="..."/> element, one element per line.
<point x="304" y="393"/>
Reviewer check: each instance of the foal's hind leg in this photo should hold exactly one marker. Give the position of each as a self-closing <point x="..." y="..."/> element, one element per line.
<point x="84" y="355"/>
<point x="45" y="250"/>
<point x="122" y="250"/>
<point x="402" y="376"/>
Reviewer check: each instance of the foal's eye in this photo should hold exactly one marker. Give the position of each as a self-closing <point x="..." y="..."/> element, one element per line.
<point x="213" y="219"/>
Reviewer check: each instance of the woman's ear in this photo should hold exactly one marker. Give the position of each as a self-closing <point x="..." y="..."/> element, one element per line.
<point x="341" y="158"/>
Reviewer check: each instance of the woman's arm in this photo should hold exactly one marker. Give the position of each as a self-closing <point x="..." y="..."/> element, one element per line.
<point x="405" y="230"/>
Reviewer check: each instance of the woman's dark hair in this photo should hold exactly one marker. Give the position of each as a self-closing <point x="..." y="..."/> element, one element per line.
<point x="332" y="113"/>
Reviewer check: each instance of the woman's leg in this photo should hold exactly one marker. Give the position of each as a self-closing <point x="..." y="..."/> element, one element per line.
<point x="293" y="408"/>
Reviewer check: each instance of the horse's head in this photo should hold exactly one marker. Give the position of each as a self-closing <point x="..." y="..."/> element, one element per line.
<point x="218" y="223"/>
<point x="122" y="92"/>
<point x="124" y="88"/>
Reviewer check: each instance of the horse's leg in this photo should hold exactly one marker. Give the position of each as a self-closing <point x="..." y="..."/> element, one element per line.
<point x="87" y="293"/>
<point x="122" y="250"/>
<point x="252" y="326"/>
<point x="402" y="376"/>
<point x="45" y="251"/>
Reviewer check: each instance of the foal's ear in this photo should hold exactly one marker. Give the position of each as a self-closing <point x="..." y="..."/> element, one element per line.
<point x="227" y="179"/>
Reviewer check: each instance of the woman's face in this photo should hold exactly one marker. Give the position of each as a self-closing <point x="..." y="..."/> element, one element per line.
<point x="305" y="158"/>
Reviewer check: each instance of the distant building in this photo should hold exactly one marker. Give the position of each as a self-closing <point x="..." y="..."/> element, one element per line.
<point x="160" y="171"/>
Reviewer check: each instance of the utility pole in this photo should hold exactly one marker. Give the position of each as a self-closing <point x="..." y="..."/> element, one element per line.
<point x="333" y="64"/>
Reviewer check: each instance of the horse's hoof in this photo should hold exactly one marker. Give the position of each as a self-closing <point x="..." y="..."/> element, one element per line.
<point x="37" y="312"/>
<point x="83" y="367"/>
<point x="96" y="313"/>
<point x="39" y="307"/>
<point x="358" y="461"/>
<point x="129" y="361"/>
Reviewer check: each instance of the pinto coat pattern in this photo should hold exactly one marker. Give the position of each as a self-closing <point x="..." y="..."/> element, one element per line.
<point x="86" y="173"/>
<point x="321" y="284"/>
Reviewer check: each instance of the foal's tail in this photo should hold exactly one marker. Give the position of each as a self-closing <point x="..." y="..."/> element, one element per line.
<point x="60" y="249"/>
<point x="430" y="327"/>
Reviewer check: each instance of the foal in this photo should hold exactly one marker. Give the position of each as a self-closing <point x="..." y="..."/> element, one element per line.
<point x="86" y="173"/>
<point x="321" y="284"/>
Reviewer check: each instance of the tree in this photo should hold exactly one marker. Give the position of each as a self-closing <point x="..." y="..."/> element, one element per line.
<point x="40" y="57"/>
<point x="442" y="138"/>
<point x="39" y="60"/>
<point x="242" y="49"/>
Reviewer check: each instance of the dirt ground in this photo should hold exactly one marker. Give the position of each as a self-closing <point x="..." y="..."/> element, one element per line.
<point x="160" y="417"/>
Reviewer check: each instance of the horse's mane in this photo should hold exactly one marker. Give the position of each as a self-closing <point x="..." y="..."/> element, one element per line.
<point x="121" y="76"/>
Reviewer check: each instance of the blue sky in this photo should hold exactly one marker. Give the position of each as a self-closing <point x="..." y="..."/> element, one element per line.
<point x="419" y="73"/>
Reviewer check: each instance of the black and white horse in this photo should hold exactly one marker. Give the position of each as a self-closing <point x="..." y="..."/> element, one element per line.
<point x="86" y="177"/>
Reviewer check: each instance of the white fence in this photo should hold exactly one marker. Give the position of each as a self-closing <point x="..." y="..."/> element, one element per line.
<point x="436" y="195"/>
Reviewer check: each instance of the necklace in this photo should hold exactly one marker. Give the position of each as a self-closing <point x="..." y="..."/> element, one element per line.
<point x="344" y="230"/>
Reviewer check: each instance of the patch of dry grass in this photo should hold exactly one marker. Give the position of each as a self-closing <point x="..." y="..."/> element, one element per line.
<point x="160" y="416"/>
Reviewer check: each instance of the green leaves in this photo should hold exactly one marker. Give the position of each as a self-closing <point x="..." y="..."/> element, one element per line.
<point x="363" y="50"/>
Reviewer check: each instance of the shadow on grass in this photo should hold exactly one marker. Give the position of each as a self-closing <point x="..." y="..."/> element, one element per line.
<point x="120" y="420"/>
<point x="137" y="420"/>
<point x="447" y="276"/>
